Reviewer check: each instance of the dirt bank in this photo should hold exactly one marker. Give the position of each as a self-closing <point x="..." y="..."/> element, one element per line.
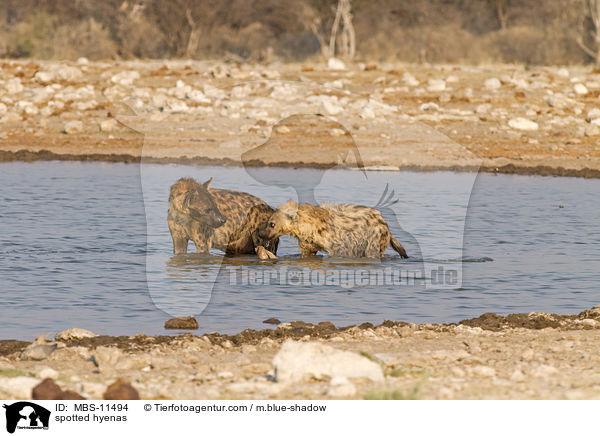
<point x="542" y="120"/>
<point x="535" y="355"/>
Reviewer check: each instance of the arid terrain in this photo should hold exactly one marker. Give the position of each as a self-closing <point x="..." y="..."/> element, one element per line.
<point x="531" y="356"/>
<point x="504" y="118"/>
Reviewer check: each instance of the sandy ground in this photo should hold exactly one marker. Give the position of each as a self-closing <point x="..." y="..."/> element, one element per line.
<point x="531" y="356"/>
<point x="503" y="118"/>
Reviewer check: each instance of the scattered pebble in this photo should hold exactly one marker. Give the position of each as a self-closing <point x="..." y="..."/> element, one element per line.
<point x="182" y="323"/>
<point x="523" y="124"/>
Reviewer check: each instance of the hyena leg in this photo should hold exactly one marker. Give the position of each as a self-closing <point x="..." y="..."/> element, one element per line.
<point x="202" y="245"/>
<point x="180" y="239"/>
<point x="307" y="249"/>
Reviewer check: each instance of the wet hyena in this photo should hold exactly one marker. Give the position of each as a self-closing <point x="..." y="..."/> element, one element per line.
<point x="349" y="230"/>
<point x="217" y="218"/>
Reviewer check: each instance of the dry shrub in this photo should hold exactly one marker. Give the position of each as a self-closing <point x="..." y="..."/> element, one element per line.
<point x="529" y="45"/>
<point x="537" y="32"/>
<point x="41" y="36"/>
<point x="139" y="39"/>
<point x="425" y="44"/>
<point x="86" y="38"/>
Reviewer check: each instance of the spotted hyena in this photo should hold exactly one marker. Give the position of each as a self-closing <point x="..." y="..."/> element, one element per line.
<point x="217" y="218"/>
<point x="350" y="230"/>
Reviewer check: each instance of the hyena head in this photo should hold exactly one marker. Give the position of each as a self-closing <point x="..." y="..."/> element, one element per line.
<point x="199" y="204"/>
<point x="283" y="221"/>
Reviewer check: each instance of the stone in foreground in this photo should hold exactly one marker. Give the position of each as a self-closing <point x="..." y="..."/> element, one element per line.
<point x="121" y="390"/>
<point x="74" y="333"/>
<point x="49" y="390"/>
<point x="297" y="360"/>
<point x="182" y="323"/>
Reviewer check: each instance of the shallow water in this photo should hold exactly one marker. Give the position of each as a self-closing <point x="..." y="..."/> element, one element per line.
<point x="87" y="245"/>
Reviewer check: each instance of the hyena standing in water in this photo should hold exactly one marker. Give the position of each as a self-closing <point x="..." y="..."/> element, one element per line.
<point x="218" y="218"/>
<point x="349" y="230"/>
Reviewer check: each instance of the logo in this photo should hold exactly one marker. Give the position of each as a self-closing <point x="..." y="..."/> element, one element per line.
<point x="26" y="415"/>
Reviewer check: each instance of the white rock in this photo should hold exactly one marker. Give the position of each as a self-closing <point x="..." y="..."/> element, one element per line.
<point x="483" y="108"/>
<point x="13" y="86"/>
<point x="88" y="104"/>
<point x="409" y="79"/>
<point x="559" y="101"/>
<point x="3" y="109"/>
<point x="47" y="372"/>
<point x="429" y="107"/>
<point x="340" y="387"/>
<point x="544" y="371"/>
<point x="178" y="106"/>
<point x="528" y="355"/>
<point x="283" y="91"/>
<point x="367" y="113"/>
<point x="71" y="353"/>
<point x="197" y="96"/>
<point x="241" y="91"/>
<point x="45" y="76"/>
<point x="523" y="124"/>
<point x="492" y="84"/>
<point x="296" y="360"/>
<point x="73" y="126"/>
<point x="580" y="89"/>
<point x="68" y="73"/>
<point x="483" y="371"/>
<point x="17" y="388"/>
<point x="74" y="333"/>
<point x="595" y="122"/>
<point x="82" y="61"/>
<point x="591" y="130"/>
<point x="38" y="351"/>
<point x="375" y="108"/>
<point x="588" y="321"/>
<point x="11" y="117"/>
<point x="434" y="85"/>
<point x="282" y="130"/>
<point x="109" y="125"/>
<point x="125" y="78"/>
<point x="593" y="114"/>
<point x="563" y="72"/>
<point x="52" y="108"/>
<point x="517" y="376"/>
<point x="27" y="107"/>
<point x="107" y="356"/>
<point x="335" y="64"/>
<point x="337" y="132"/>
<point x="327" y="104"/>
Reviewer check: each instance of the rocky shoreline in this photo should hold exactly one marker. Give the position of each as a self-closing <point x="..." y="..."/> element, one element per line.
<point x="497" y="118"/>
<point x="521" y="356"/>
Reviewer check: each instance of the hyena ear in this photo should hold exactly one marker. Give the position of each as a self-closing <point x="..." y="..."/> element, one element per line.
<point x="207" y="183"/>
<point x="290" y="209"/>
<point x="187" y="200"/>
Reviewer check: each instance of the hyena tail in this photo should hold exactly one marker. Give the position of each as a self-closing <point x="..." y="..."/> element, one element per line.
<point x="398" y="247"/>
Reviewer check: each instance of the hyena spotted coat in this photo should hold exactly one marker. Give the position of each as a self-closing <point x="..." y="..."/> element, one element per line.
<point x="349" y="230"/>
<point x="217" y="218"/>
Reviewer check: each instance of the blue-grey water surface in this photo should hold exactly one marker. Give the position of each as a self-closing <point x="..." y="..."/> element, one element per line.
<point x="86" y="245"/>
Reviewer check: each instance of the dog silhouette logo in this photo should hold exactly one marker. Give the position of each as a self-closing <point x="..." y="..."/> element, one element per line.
<point x="26" y="415"/>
